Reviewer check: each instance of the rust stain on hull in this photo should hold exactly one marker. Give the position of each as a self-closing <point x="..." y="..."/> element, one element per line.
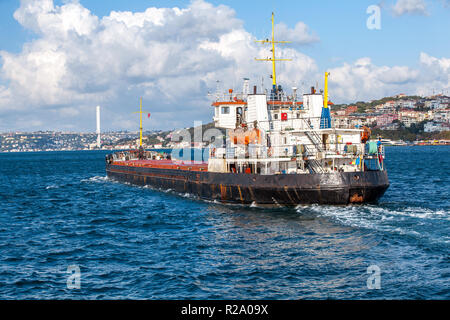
<point x="223" y="192"/>
<point x="286" y="188"/>
<point x="251" y="194"/>
<point x="356" y="198"/>
<point x="240" y="194"/>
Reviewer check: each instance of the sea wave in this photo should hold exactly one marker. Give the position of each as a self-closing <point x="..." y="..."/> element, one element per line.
<point x="410" y="220"/>
<point x="52" y="186"/>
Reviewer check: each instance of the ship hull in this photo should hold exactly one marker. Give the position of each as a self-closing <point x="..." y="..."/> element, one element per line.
<point x="284" y="189"/>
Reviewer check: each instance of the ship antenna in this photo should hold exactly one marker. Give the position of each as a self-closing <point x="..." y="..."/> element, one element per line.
<point x="140" y="122"/>
<point x="273" y="59"/>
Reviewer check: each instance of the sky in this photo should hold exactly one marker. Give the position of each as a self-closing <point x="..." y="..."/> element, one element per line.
<point x="60" y="59"/>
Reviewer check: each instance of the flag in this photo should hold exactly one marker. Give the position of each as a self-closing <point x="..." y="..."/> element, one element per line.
<point x="148" y="115"/>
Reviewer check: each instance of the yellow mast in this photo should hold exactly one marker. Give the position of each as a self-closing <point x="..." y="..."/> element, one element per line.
<point x="325" y="119"/>
<point x="325" y="97"/>
<point x="140" y="123"/>
<point x="273" y="59"/>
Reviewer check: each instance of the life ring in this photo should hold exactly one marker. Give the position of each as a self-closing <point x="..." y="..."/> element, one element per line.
<point x="213" y="152"/>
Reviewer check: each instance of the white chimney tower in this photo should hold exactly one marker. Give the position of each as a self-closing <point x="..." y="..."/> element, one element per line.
<point x="98" y="127"/>
<point x="246" y="87"/>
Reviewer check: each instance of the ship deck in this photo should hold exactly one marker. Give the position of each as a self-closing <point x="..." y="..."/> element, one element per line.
<point x="166" y="164"/>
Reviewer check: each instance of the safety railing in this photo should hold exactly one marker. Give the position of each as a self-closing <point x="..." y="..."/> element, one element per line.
<point x="284" y="151"/>
<point x="307" y="152"/>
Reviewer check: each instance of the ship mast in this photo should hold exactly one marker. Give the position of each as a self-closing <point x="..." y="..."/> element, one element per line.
<point x="325" y="94"/>
<point x="273" y="59"/>
<point x="140" y="122"/>
<point x="325" y="119"/>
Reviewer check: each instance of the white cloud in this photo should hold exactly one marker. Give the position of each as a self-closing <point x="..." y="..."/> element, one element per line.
<point x="435" y="74"/>
<point x="440" y="64"/>
<point x="300" y="34"/>
<point x="402" y="7"/>
<point x="44" y="18"/>
<point x="363" y="80"/>
<point x="171" y="57"/>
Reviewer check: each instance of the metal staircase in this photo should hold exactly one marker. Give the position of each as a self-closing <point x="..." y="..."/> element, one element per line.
<point x="313" y="136"/>
<point x="315" y="139"/>
<point x="313" y="164"/>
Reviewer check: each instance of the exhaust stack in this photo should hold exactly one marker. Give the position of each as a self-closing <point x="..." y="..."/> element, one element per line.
<point x="98" y="127"/>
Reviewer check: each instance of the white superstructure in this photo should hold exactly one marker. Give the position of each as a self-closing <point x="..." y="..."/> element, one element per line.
<point x="275" y="133"/>
<point x="291" y="139"/>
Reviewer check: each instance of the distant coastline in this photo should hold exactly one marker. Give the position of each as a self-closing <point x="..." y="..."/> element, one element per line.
<point x="167" y="149"/>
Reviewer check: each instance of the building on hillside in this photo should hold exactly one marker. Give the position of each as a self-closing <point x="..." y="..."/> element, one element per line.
<point x="439" y="103"/>
<point x="341" y="121"/>
<point x="387" y="107"/>
<point x="433" y="126"/>
<point x="442" y="115"/>
<point x="353" y="121"/>
<point x="408" y="117"/>
<point x="370" y="120"/>
<point x="408" y="121"/>
<point x="385" y="119"/>
<point x="391" y="126"/>
<point x="408" y="104"/>
<point x="351" y="109"/>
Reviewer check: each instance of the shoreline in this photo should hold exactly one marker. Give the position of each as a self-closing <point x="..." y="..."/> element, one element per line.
<point x="162" y="149"/>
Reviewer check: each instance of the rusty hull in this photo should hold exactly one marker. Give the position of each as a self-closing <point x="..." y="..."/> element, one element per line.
<point x="284" y="189"/>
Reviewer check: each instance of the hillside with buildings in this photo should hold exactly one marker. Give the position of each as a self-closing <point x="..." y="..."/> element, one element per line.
<point x="401" y="117"/>
<point x="407" y="118"/>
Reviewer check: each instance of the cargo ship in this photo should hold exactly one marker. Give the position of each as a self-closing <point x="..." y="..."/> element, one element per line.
<point x="278" y="150"/>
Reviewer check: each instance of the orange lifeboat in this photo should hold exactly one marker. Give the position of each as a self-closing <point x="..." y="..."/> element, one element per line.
<point x="365" y="135"/>
<point x="239" y="136"/>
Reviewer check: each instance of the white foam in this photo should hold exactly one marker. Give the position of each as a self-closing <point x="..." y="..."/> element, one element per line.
<point x="96" y="179"/>
<point x="382" y="218"/>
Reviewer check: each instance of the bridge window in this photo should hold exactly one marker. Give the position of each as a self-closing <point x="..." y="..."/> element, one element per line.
<point x="225" y="110"/>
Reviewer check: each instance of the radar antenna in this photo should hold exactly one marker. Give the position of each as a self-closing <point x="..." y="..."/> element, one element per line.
<point x="273" y="59"/>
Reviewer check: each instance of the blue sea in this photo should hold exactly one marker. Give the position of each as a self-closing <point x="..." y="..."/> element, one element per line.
<point x="68" y="232"/>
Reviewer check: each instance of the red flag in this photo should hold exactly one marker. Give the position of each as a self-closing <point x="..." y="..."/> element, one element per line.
<point x="148" y="116"/>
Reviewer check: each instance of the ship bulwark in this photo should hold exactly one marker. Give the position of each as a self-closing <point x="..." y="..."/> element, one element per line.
<point x="283" y="189"/>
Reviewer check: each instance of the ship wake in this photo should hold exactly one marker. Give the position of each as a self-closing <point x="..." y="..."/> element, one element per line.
<point x="390" y="218"/>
